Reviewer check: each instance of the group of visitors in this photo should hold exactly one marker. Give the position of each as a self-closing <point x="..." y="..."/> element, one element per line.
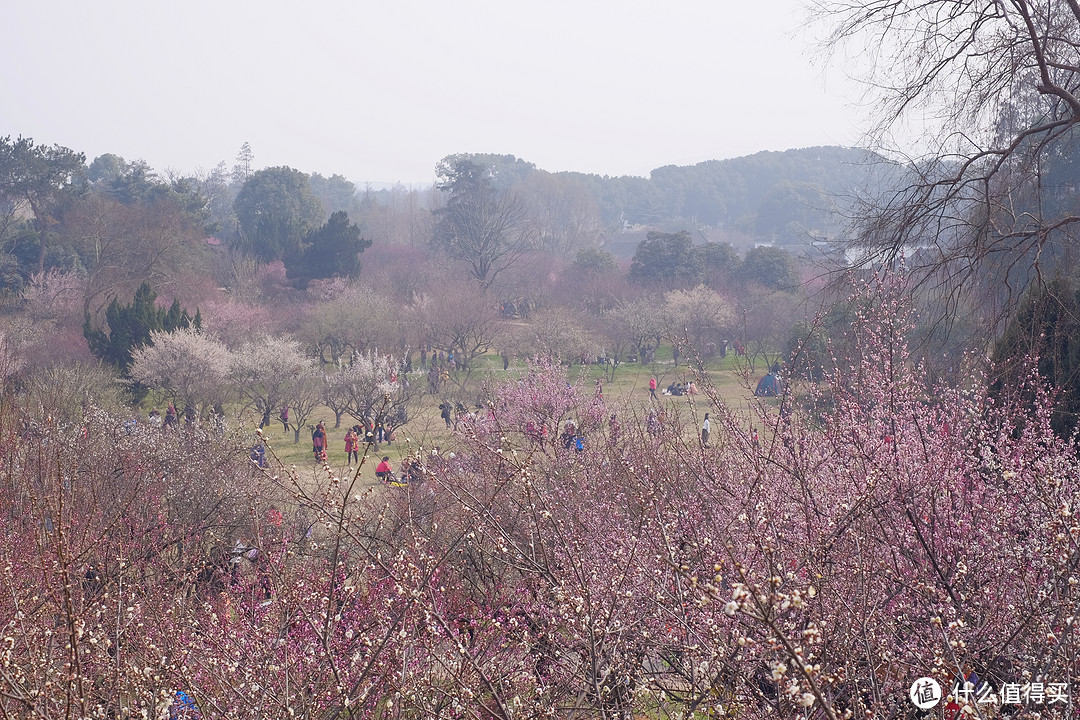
<point x="374" y="432"/>
<point x="437" y="377"/>
<point x="169" y="420"/>
<point x="679" y="389"/>
<point x="675" y="388"/>
<point x="454" y="413"/>
<point x="371" y="432"/>
<point x="571" y="438"/>
<point x="412" y="471"/>
<point x="536" y="433"/>
<point x="438" y="372"/>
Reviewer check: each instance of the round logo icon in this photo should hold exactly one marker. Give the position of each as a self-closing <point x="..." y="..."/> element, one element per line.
<point x="925" y="693"/>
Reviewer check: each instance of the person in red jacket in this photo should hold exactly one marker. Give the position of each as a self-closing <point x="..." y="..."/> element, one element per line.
<point x="383" y="471"/>
<point x="652" y="387"/>
<point x="352" y="449"/>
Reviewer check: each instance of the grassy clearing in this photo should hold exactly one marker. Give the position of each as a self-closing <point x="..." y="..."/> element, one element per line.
<point x="626" y="391"/>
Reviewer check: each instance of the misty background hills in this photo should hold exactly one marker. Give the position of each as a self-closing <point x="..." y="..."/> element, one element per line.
<point x="790" y="197"/>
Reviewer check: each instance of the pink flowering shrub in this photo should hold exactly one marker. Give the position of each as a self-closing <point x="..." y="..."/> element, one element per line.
<point x="880" y="529"/>
<point x="54" y="295"/>
<point x="905" y="530"/>
<point x="107" y="528"/>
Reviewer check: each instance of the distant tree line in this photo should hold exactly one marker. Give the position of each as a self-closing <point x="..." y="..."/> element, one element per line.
<point x="494" y="240"/>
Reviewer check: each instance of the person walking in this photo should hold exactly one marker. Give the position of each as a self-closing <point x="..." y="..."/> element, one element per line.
<point x="352" y="446"/>
<point x="705" y="427"/>
<point x="318" y="443"/>
<point x="652" y="387"/>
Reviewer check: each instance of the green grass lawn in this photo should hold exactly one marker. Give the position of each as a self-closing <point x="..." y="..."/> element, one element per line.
<point x="626" y="391"/>
<point x="423" y="432"/>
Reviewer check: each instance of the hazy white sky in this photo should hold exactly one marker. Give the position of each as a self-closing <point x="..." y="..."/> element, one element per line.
<point x="379" y="91"/>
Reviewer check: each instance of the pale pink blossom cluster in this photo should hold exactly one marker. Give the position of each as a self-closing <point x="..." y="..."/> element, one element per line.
<point x="881" y="529"/>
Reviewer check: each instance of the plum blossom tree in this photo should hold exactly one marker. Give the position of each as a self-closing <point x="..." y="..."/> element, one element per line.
<point x="765" y="323"/>
<point x="54" y="295"/>
<point x="263" y="369"/>
<point x="233" y="321"/>
<point x="459" y="319"/>
<point x="372" y="387"/>
<point x="335" y="393"/>
<point x="697" y="313"/>
<point x="303" y="395"/>
<point x="903" y="531"/>
<point x="108" y="531"/>
<point x="188" y="366"/>
<point x="64" y="390"/>
<point x="641" y="322"/>
<point x="557" y="334"/>
<point x="894" y="536"/>
<point x="879" y="530"/>
<point x="344" y="318"/>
